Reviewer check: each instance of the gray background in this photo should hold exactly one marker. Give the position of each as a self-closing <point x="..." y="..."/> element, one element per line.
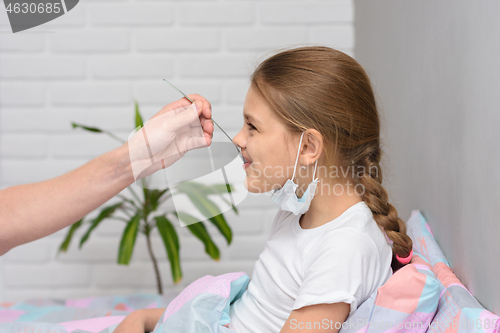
<point x="435" y="66"/>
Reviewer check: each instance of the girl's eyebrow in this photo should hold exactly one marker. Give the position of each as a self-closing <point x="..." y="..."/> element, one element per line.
<point x="250" y="117"/>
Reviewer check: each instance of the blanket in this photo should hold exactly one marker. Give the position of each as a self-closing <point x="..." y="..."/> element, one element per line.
<point x="203" y="306"/>
<point x="89" y="314"/>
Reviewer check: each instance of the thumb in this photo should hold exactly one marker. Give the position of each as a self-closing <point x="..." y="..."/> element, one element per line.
<point x="199" y="106"/>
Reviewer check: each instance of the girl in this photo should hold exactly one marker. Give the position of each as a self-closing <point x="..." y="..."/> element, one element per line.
<point x="312" y="132"/>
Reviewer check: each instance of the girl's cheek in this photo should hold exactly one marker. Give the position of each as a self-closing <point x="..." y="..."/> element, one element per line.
<point x="250" y="145"/>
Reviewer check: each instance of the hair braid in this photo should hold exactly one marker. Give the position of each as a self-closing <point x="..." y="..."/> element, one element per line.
<point x="386" y="216"/>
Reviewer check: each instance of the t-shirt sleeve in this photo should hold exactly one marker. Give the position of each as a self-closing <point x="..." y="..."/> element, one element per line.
<point x="344" y="266"/>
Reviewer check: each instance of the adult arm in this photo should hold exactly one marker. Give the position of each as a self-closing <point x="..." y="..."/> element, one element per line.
<point x="32" y="211"/>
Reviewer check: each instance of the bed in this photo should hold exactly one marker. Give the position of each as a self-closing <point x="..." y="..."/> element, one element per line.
<point x="423" y="296"/>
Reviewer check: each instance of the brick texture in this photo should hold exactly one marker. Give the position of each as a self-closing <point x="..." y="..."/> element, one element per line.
<point x="89" y="66"/>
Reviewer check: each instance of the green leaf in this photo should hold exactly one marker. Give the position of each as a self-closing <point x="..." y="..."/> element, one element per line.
<point x="222" y="188"/>
<point x="217" y="189"/>
<point x="91" y="129"/>
<point x="200" y="231"/>
<point x="154" y="197"/>
<point x="230" y="204"/>
<point x="128" y="240"/>
<point x="190" y="186"/>
<point x="208" y="208"/>
<point x="220" y="222"/>
<point x="171" y="242"/>
<point x="139" y="124"/>
<point x="138" y="118"/>
<point x="147" y="200"/>
<point x="105" y="213"/>
<point x="95" y="129"/>
<point x="65" y="244"/>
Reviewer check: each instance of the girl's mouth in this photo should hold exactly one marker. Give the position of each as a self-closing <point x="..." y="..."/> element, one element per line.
<point x="247" y="162"/>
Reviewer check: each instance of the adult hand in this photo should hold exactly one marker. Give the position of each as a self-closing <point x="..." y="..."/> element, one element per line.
<point x="178" y="127"/>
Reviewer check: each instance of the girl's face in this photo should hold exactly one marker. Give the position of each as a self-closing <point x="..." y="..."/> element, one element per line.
<point x="263" y="144"/>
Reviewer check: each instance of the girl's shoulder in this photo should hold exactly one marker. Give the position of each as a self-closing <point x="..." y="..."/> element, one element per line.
<point x="356" y="225"/>
<point x="358" y="217"/>
<point x="358" y="230"/>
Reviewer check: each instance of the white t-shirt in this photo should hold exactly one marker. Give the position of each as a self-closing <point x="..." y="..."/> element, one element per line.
<point x="344" y="260"/>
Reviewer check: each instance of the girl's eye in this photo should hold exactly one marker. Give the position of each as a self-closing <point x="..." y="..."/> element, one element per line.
<point x="251" y="126"/>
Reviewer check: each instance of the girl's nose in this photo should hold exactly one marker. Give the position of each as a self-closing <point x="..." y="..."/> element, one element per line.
<point x="238" y="140"/>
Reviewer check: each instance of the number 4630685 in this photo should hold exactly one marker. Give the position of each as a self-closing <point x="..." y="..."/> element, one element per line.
<point x="34" y="8"/>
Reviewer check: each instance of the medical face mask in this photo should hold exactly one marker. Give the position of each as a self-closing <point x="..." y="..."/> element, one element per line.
<point x="286" y="197"/>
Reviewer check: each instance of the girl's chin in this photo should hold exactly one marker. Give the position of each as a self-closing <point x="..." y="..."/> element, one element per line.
<point x="256" y="186"/>
<point x="251" y="188"/>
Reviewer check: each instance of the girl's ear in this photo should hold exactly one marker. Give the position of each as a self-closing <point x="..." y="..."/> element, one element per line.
<point x="312" y="146"/>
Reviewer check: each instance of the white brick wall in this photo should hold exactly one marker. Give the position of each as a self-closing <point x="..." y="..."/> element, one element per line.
<point x="88" y="66"/>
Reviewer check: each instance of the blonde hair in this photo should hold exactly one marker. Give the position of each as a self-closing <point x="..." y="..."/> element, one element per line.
<point x="327" y="90"/>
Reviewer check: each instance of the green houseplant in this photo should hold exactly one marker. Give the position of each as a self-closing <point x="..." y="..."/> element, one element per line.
<point x="146" y="213"/>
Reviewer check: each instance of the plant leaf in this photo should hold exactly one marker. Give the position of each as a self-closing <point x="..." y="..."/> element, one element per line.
<point x="154" y="197"/>
<point x="91" y="129"/>
<point x="223" y="188"/>
<point x="200" y="231"/>
<point x="220" y="222"/>
<point x="95" y="129"/>
<point x="216" y="189"/>
<point x="139" y="124"/>
<point x="147" y="200"/>
<point x="208" y="208"/>
<point x="138" y="118"/>
<point x="105" y="213"/>
<point x="65" y="244"/>
<point x="230" y="204"/>
<point x="128" y="240"/>
<point x="171" y="242"/>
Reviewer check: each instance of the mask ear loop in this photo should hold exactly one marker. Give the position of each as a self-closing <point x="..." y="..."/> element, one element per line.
<point x="315" y="165"/>
<point x="300" y="144"/>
